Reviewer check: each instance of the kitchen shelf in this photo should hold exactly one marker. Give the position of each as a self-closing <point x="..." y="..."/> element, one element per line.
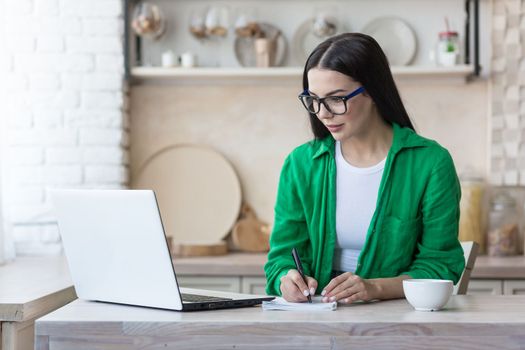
<point x="293" y="74"/>
<point x="134" y="57"/>
<point x="206" y="72"/>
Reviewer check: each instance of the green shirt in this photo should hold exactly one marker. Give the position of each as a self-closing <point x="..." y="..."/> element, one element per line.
<point x="414" y="229"/>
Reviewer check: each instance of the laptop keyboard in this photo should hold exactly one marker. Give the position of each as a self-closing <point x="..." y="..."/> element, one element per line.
<point x="194" y="298"/>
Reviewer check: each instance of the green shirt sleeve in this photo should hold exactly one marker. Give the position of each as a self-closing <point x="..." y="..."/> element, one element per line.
<point x="439" y="254"/>
<point x="290" y="230"/>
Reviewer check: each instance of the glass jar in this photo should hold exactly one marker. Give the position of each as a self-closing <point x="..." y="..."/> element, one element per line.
<point x="503" y="225"/>
<point x="148" y="20"/>
<point x="448" y="48"/>
<point x="471" y="209"/>
<point x="197" y="25"/>
<point x="217" y="21"/>
<point x="246" y="24"/>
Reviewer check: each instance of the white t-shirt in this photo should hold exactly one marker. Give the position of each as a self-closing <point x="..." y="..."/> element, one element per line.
<point x="356" y="197"/>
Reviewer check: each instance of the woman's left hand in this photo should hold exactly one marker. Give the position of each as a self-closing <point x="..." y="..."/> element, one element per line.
<point x="347" y="288"/>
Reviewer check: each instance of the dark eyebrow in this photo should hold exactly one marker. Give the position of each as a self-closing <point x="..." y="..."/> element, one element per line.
<point x="330" y="93"/>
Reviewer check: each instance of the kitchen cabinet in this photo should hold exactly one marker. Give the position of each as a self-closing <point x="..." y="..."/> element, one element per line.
<point x="498" y="275"/>
<point x="256" y="285"/>
<point x="243" y="272"/>
<point x="494" y="287"/>
<point x="235" y="272"/>
<point x="514" y="287"/>
<point x="253" y="285"/>
<point x="238" y="284"/>
<point x="222" y="283"/>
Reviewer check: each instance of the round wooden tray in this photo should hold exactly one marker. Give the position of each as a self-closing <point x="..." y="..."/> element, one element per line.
<point x="198" y="191"/>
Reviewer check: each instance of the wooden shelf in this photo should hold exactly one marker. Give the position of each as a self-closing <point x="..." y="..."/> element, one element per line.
<point x="206" y="72"/>
<point x="433" y="71"/>
<point x="291" y="74"/>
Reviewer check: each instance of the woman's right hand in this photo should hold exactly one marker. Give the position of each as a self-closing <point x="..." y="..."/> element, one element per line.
<point x="294" y="289"/>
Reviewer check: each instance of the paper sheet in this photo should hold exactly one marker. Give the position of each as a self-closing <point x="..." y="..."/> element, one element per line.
<point x="316" y="305"/>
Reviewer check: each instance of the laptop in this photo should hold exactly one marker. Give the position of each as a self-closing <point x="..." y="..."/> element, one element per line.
<point x="117" y="252"/>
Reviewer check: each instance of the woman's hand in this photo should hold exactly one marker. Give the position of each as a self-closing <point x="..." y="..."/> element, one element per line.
<point x="347" y="288"/>
<point x="294" y="289"/>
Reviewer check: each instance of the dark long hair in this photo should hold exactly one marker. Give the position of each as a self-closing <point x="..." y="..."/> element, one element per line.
<point x="360" y="57"/>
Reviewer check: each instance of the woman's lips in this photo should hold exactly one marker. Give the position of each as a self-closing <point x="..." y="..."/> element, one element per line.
<point x="334" y="127"/>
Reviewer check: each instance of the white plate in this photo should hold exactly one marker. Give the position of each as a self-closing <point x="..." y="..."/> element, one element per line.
<point x="245" y="48"/>
<point x="395" y="37"/>
<point x="198" y="191"/>
<point x="304" y="40"/>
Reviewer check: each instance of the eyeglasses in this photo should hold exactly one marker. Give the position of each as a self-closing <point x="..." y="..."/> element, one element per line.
<point x="333" y="104"/>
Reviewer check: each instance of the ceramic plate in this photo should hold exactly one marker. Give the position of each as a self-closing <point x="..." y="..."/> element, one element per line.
<point x="198" y="191"/>
<point x="396" y="38"/>
<point x="304" y="40"/>
<point x="245" y="48"/>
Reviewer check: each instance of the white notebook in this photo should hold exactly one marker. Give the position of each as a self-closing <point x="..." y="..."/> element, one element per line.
<point x="316" y="305"/>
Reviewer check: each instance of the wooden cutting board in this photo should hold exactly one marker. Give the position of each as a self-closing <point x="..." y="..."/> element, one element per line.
<point x="249" y="233"/>
<point x="200" y="249"/>
<point x="198" y="191"/>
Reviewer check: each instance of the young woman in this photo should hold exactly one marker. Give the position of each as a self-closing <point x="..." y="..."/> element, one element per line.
<point x="367" y="203"/>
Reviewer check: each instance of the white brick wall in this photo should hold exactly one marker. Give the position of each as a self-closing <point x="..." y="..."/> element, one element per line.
<point x="4" y="80"/>
<point x="508" y="90"/>
<point x="65" y="109"/>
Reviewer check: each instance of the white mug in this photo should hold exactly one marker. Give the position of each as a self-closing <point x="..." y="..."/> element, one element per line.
<point x="188" y="59"/>
<point x="168" y="59"/>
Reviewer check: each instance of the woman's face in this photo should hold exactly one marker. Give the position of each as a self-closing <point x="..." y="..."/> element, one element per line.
<point x="360" y="108"/>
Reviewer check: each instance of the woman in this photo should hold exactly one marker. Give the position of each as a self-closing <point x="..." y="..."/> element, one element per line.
<point x="367" y="203"/>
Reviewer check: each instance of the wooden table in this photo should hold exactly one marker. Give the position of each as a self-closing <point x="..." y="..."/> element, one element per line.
<point x="474" y="322"/>
<point x="30" y="288"/>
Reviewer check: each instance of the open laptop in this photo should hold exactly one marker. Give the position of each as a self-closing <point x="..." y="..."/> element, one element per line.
<point x="117" y="252"/>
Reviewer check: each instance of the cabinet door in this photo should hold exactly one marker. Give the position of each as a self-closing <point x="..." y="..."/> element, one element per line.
<point x="514" y="287"/>
<point x="494" y="287"/>
<point x="220" y="283"/>
<point x="254" y="285"/>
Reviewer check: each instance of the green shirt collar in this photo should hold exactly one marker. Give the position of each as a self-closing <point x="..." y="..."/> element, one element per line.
<point x="403" y="138"/>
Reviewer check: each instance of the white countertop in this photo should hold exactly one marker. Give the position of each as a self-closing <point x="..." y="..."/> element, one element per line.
<point x="252" y="264"/>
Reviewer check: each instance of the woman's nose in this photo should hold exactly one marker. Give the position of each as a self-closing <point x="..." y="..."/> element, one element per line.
<point x="324" y="113"/>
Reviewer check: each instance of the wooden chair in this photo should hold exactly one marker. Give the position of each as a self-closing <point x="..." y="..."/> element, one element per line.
<point x="470" y="251"/>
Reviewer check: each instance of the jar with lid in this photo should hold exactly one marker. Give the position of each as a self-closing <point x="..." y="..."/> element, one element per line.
<point x="448" y="48"/>
<point x="503" y="225"/>
<point x="471" y="220"/>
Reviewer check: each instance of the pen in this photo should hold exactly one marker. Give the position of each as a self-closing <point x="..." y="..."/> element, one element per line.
<point x="299" y="267"/>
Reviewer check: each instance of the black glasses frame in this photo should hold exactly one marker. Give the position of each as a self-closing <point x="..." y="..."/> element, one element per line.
<point x="305" y="93"/>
